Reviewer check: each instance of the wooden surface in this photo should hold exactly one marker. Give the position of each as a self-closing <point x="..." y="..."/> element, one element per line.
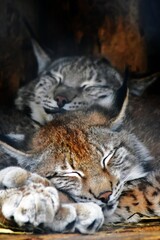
<point x="145" y="231"/>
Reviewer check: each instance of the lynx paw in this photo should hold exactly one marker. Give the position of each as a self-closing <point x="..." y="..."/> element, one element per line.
<point x="89" y="217"/>
<point x="30" y="199"/>
<point x="34" y="204"/>
<point x="84" y="218"/>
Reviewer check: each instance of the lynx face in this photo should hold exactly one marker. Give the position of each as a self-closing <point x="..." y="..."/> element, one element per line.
<point x="67" y="84"/>
<point x="91" y="164"/>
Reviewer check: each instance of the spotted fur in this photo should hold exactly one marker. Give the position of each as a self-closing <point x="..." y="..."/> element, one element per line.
<point x="140" y="198"/>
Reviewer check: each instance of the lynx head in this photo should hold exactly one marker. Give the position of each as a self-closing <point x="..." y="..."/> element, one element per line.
<point x="84" y="155"/>
<point x="67" y="84"/>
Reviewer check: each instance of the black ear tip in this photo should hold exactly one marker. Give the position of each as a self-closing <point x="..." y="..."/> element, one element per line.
<point x="122" y="92"/>
<point x="126" y="73"/>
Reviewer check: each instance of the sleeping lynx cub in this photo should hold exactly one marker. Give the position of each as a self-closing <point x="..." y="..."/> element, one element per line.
<point x="72" y="83"/>
<point x="106" y="173"/>
<point x="67" y="84"/>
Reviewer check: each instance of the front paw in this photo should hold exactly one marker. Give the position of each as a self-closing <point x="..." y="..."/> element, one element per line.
<point x="33" y="204"/>
<point x="36" y="204"/>
<point x="85" y="218"/>
<point x="90" y="218"/>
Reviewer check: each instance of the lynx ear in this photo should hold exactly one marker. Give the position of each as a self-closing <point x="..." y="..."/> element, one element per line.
<point x="140" y="84"/>
<point x="24" y="159"/>
<point x="118" y="111"/>
<point x="42" y="57"/>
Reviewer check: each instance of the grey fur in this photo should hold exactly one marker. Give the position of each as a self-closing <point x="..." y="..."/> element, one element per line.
<point x="78" y="82"/>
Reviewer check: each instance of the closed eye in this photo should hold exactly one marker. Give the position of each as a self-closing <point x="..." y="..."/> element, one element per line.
<point x="103" y="96"/>
<point x="74" y="174"/>
<point x="89" y="86"/>
<point x="67" y="174"/>
<point x="107" y="158"/>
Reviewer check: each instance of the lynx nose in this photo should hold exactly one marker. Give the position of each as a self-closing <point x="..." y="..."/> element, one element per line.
<point x="61" y="101"/>
<point x="104" y="197"/>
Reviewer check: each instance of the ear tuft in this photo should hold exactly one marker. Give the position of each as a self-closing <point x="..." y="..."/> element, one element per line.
<point x="122" y="92"/>
<point x="120" y="102"/>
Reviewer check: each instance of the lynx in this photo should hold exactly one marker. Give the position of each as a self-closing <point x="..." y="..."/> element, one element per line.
<point x="104" y="171"/>
<point x="67" y="84"/>
<point x="72" y="83"/>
